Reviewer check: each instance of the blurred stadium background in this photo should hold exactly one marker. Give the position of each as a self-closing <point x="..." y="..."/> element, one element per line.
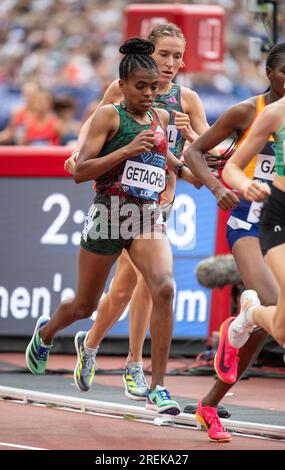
<point x="67" y="45"/>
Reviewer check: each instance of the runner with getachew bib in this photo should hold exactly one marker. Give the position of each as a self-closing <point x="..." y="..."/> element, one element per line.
<point x="129" y="134"/>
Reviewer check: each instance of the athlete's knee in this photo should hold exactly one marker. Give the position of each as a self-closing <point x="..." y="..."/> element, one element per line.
<point x="164" y="291"/>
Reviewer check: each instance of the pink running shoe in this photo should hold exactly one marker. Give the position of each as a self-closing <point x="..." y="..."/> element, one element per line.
<point x="226" y="357"/>
<point x="207" y="416"/>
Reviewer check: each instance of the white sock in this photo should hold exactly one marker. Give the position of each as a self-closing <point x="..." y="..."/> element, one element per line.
<point x="89" y="351"/>
<point x="241" y="328"/>
<point x="249" y="315"/>
<point x="134" y="364"/>
<point x="244" y="320"/>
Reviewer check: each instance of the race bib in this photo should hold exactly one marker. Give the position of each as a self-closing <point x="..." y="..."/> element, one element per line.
<point x="143" y="180"/>
<point x="254" y="212"/>
<point x="172" y="134"/>
<point x="265" y="167"/>
<point x="264" y="171"/>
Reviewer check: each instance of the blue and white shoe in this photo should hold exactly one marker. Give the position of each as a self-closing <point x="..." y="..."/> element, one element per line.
<point x="37" y="354"/>
<point x="160" y="400"/>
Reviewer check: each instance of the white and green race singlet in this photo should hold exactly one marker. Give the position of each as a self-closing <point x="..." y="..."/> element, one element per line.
<point x="280" y="150"/>
<point x="171" y="101"/>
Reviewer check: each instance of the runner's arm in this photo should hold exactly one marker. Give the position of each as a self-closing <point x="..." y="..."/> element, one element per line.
<point x="194" y="108"/>
<point x="113" y="94"/>
<point x="266" y="124"/>
<point x="105" y="123"/>
<point x="223" y="128"/>
<point x="186" y="173"/>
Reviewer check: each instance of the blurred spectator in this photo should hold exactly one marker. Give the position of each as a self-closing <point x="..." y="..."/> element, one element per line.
<point x="73" y="47"/>
<point x="67" y="124"/>
<point x="41" y="128"/>
<point x="74" y="44"/>
<point x="14" y="132"/>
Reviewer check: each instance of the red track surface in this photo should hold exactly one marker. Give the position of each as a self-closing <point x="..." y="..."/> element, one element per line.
<point x="64" y="430"/>
<point x="55" y="429"/>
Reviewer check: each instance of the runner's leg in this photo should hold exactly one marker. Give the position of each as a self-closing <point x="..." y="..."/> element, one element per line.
<point x="257" y="276"/>
<point x="93" y="271"/>
<point x="115" y="302"/>
<point x="157" y="272"/>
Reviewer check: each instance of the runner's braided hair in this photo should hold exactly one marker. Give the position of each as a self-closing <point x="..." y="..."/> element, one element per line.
<point x="137" y="57"/>
<point x="273" y="57"/>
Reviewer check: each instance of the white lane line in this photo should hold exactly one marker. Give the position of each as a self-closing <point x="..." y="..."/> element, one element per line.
<point x="6" y="444"/>
<point x="86" y="405"/>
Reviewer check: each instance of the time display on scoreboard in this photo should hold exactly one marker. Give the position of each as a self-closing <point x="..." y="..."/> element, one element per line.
<point x="54" y="234"/>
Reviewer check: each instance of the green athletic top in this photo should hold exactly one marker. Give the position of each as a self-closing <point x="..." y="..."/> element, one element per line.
<point x="140" y="177"/>
<point x="280" y="150"/>
<point x="171" y="101"/>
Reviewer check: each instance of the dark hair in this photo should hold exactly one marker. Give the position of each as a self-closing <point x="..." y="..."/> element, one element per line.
<point x="273" y="57"/>
<point x="137" y="56"/>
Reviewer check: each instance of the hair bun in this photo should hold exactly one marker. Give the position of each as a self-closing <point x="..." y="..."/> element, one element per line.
<point x="137" y="46"/>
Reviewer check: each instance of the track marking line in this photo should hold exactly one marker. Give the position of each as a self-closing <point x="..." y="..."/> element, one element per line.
<point x="19" y="446"/>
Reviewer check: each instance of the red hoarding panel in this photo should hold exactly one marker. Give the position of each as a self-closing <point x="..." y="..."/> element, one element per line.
<point x="33" y="161"/>
<point x="202" y="26"/>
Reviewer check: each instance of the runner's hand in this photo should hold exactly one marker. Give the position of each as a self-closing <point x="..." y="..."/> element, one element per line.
<point x="226" y="199"/>
<point x="143" y="142"/>
<point x="255" y="190"/>
<point x="182" y="124"/>
<point x="198" y="184"/>
<point x="69" y="164"/>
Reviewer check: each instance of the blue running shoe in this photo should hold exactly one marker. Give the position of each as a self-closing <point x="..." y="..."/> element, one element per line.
<point x="86" y="364"/>
<point x="37" y="354"/>
<point x="160" y="400"/>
